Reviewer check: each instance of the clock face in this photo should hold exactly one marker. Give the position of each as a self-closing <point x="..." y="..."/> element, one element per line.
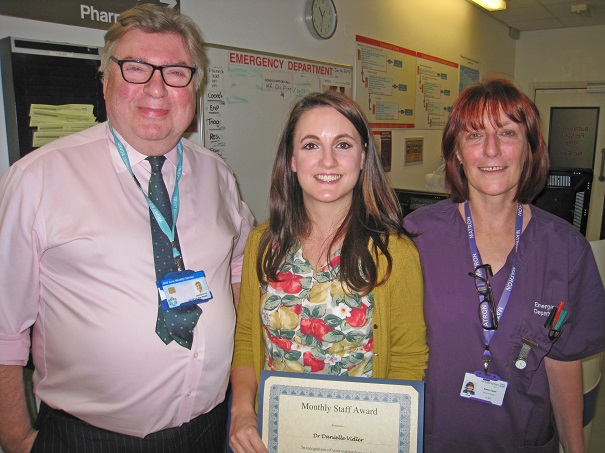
<point x="520" y="364"/>
<point x="321" y="18"/>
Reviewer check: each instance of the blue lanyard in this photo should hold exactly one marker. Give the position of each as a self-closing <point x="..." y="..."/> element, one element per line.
<point x="488" y="334"/>
<point x="175" y="201"/>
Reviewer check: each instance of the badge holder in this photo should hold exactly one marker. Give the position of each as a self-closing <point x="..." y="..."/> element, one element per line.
<point x="483" y="387"/>
<point x="181" y="289"/>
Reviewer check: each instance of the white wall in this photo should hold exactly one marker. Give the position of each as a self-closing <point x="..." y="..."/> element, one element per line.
<point x="443" y="28"/>
<point x="560" y="58"/>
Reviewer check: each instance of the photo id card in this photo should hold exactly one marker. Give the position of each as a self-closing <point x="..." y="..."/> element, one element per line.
<point x="180" y="289"/>
<point x="487" y="388"/>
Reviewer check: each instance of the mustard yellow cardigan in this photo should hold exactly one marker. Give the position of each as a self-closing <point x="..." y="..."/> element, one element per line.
<point x="400" y="350"/>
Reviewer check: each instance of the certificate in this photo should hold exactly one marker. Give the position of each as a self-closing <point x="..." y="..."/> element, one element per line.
<point x="319" y="413"/>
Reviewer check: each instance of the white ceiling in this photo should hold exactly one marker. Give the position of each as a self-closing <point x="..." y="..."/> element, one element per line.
<point x="526" y="15"/>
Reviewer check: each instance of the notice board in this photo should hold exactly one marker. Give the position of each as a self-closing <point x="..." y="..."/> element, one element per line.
<point x="572" y="139"/>
<point x="245" y="105"/>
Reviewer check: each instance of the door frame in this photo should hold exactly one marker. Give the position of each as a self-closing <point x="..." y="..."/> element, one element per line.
<point x="578" y="85"/>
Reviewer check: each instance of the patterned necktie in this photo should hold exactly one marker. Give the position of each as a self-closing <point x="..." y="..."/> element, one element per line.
<point x="177" y="323"/>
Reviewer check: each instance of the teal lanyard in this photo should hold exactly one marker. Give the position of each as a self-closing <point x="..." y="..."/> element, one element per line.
<point x="175" y="200"/>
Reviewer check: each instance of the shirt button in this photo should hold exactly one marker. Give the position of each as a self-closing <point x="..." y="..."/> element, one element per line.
<point x="195" y="355"/>
<point x="189" y="393"/>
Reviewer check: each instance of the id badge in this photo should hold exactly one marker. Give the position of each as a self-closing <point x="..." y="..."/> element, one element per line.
<point x="180" y="289"/>
<point x="487" y="388"/>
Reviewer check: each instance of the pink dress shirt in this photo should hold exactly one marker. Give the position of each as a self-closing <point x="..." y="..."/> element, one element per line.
<point x="77" y="259"/>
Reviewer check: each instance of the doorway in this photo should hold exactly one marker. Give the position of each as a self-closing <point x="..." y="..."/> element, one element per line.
<point x="545" y="98"/>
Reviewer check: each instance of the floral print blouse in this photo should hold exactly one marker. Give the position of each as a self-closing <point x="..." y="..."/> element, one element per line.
<point x="313" y="324"/>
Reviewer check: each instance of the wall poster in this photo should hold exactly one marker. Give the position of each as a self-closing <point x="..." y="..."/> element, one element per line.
<point x="385" y="83"/>
<point x="437" y="81"/>
<point x="384" y="145"/>
<point x="469" y="73"/>
<point x="414" y="150"/>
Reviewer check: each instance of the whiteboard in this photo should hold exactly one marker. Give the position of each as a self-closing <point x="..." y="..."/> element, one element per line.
<point x="245" y="105"/>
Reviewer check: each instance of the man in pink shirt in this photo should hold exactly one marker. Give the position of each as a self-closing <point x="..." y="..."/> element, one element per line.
<point x="78" y="263"/>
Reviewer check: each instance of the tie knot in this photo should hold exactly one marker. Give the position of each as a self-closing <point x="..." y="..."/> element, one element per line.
<point x="156" y="163"/>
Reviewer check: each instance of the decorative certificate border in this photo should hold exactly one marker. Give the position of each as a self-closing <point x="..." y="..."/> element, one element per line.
<point x="409" y="395"/>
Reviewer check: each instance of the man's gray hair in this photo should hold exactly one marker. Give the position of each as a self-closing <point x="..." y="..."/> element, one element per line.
<point x="157" y="19"/>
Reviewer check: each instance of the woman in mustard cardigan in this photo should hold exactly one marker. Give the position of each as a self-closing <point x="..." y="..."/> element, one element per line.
<point x="332" y="283"/>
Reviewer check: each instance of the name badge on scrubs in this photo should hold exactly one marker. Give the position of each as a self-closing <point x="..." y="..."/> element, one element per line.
<point x="484" y="387"/>
<point x="180" y="289"/>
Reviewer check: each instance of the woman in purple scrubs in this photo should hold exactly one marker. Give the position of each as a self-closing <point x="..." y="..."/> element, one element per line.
<point x="513" y="297"/>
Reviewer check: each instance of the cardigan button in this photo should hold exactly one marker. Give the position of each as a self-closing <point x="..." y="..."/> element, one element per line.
<point x="375" y="326"/>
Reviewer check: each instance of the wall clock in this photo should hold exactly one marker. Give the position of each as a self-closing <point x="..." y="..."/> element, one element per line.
<point x="320" y="16"/>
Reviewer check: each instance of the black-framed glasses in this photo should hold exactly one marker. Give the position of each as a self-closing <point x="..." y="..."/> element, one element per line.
<point x="139" y="72"/>
<point x="488" y="316"/>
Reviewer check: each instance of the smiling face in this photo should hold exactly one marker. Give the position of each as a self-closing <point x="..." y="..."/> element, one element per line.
<point x="328" y="155"/>
<point x="493" y="157"/>
<point x="151" y="116"/>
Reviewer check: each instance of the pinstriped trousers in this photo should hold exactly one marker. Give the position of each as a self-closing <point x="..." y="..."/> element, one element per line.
<point x="59" y="432"/>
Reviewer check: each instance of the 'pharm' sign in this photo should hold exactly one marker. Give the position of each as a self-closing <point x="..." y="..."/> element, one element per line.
<point x="100" y="14"/>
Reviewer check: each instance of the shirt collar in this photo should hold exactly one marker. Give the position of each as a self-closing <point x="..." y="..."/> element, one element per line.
<point x="134" y="156"/>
